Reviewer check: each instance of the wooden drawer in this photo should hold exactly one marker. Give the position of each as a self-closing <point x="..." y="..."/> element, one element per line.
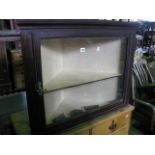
<point x="122" y="131"/>
<point x="18" y="69"/>
<point x="84" y="132"/>
<point x="84" y="129"/>
<point x="111" y="125"/>
<point x="116" y="123"/>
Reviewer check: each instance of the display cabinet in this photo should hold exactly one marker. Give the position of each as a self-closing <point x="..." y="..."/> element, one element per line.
<point x="76" y="70"/>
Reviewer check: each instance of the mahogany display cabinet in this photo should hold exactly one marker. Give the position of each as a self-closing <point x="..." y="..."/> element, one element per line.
<point x="76" y="70"/>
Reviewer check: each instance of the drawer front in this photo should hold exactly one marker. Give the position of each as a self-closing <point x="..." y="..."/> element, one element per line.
<point x="111" y="125"/>
<point x="79" y="132"/>
<point x="85" y="132"/>
<point x="18" y="69"/>
<point x="122" y="131"/>
<point x="116" y="123"/>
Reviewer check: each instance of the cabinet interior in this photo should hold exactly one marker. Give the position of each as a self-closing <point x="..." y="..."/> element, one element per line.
<point x="78" y="72"/>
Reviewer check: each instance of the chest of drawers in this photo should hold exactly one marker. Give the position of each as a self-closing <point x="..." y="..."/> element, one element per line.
<point x="115" y="123"/>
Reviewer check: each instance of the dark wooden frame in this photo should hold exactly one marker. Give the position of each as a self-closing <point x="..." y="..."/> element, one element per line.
<point x="35" y="30"/>
<point x="5" y="83"/>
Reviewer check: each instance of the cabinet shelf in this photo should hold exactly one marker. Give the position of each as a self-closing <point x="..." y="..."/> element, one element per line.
<point x="71" y="79"/>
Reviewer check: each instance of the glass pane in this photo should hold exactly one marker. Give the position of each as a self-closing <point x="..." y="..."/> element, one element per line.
<point x="81" y="74"/>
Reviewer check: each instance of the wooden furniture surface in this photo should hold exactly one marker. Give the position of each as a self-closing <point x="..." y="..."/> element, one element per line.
<point x="6" y="39"/>
<point x="118" y="120"/>
<point x="18" y="71"/>
<point x="115" y="123"/>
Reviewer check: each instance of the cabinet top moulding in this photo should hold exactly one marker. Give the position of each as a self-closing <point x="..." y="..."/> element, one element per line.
<point x="52" y="23"/>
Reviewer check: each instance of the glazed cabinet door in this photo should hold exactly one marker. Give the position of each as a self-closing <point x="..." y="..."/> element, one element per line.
<point x="80" y="74"/>
<point x="75" y="75"/>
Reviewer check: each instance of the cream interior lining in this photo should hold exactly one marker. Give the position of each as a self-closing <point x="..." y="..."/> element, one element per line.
<point x="73" y="61"/>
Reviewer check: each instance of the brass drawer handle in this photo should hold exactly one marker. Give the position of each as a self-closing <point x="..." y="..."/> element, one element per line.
<point x="113" y="125"/>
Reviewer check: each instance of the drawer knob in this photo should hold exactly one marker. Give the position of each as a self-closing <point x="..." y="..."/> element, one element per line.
<point x="113" y="125"/>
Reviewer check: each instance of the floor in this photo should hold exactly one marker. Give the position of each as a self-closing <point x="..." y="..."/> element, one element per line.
<point x="134" y="130"/>
<point x="9" y="104"/>
<point x="5" y="126"/>
<point x="12" y="103"/>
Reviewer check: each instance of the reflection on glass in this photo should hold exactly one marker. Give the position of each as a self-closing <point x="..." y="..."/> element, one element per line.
<point x="68" y="63"/>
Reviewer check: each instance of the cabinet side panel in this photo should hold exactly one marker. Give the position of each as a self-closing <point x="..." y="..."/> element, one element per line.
<point x="35" y="102"/>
